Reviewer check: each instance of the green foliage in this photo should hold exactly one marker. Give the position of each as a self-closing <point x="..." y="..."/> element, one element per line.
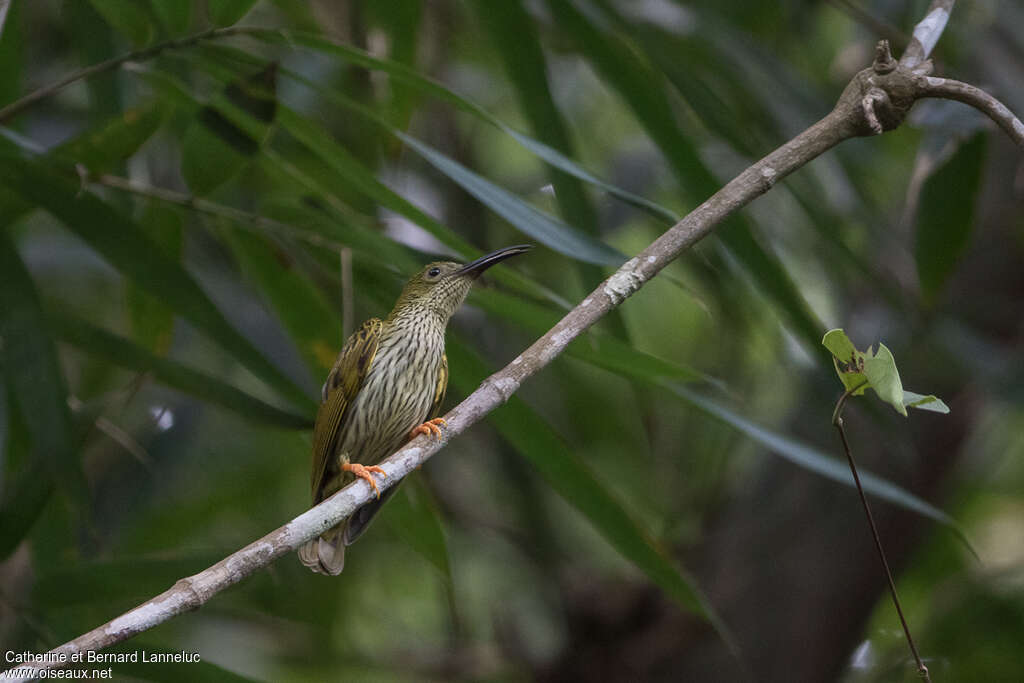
<point x="945" y="214"/>
<point x="611" y="501"/>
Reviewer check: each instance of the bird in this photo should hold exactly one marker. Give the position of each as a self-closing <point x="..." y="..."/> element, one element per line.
<point x="385" y="388"/>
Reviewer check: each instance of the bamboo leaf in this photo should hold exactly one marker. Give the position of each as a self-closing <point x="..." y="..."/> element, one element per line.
<point x="126" y="354"/>
<point x="569" y="476"/>
<point x="815" y="461"/>
<point x="945" y="214"/>
<point x="546" y="229"/>
<point x="227" y="12"/>
<point x="33" y="373"/>
<point x="128" y="249"/>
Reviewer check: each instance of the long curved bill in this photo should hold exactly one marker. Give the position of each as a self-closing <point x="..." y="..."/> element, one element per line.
<point x="474" y="268"/>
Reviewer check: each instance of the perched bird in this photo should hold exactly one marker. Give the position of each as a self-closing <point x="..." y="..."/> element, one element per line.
<point x="390" y="376"/>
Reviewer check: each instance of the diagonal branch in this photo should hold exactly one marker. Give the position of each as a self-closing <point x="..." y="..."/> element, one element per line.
<point x="979" y="99"/>
<point x="927" y="33"/>
<point x="5" y="6"/>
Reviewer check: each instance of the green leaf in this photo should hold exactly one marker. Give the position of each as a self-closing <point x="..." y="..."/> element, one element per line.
<point x="32" y="369"/>
<point x="227" y="12"/>
<point x="570" y="477"/>
<point x="126" y="354"/>
<point x="860" y="370"/>
<point x="131" y="18"/>
<point x="945" y="214"/>
<point x="23" y="501"/>
<point x="175" y="15"/>
<point x="601" y="350"/>
<point x="546" y="229"/>
<point x="514" y="34"/>
<point x="930" y="402"/>
<point x="880" y="369"/>
<point x="153" y="322"/>
<point x="311" y="321"/>
<point x="414" y="516"/>
<point x="103" y="148"/>
<point x="228" y="133"/>
<point x="407" y="76"/>
<point x="644" y="90"/>
<point x="129" y="250"/>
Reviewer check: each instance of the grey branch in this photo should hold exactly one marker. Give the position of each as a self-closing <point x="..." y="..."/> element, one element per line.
<point x="980" y="100"/>
<point x="927" y="33"/>
<point x="858" y="112"/>
<point x="5" y="5"/>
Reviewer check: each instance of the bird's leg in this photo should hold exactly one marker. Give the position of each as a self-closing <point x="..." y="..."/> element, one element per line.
<point x="363" y="472"/>
<point x="429" y="427"/>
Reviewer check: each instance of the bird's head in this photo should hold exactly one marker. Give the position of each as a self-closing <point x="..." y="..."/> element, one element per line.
<point x="442" y="286"/>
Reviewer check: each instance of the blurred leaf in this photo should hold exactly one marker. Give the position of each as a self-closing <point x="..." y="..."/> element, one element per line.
<point x="122" y="580"/>
<point x="546" y="229"/>
<point x="819" y="463"/>
<point x="313" y="324"/>
<point x="122" y="352"/>
<point x="152" y="322"/>
<point x="402" y="21"/>
<point x="571" y="478"/>
<point x="175" y="15"/>
<point x="945" y="214"/>
<point x="407" y="76"/>
<point x="514" y="34"/>
<point x="22" y="498"/>
<point x="600" y="350"/>
<point x="131" y="18"/>
<point x="413" y="515"/>
<point x="101" y="149"/>
<point x="129" y="250"/>
<point x="228" y="133"/>
<point x="643" y="90"/>
<point x="227" y="12"/>
<point x="33" y="372"/>
<point x="12" y="45"/>
<point x="207" y="159"/>
<point x="352" y="172"/>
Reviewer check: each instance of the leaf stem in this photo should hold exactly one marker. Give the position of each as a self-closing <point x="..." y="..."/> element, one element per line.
<point x="837" y="421"/>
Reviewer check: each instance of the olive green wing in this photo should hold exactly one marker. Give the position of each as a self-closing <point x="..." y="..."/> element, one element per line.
<point x="340" y="389"/>
<point x="442" y="388"/>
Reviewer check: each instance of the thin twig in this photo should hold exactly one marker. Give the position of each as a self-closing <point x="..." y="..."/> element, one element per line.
<point x="837" y="421"/>
<point x="5" y="5"/>
<point x="927" y="33"/>
<point x="979" y="99"/>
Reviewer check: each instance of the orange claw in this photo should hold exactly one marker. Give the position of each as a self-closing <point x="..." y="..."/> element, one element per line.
<point x="429" y="427"/>
<point x="363" y="472"/>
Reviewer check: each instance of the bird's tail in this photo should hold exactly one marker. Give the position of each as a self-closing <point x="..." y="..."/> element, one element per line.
<point x="326" y="554"/>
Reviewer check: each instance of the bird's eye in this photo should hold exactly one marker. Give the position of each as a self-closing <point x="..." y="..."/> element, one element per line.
<point x="434" y="272"/>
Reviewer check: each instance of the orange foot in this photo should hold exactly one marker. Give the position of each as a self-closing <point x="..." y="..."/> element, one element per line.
<point x="429" y="427"/>
<point x="363" y="472"/>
